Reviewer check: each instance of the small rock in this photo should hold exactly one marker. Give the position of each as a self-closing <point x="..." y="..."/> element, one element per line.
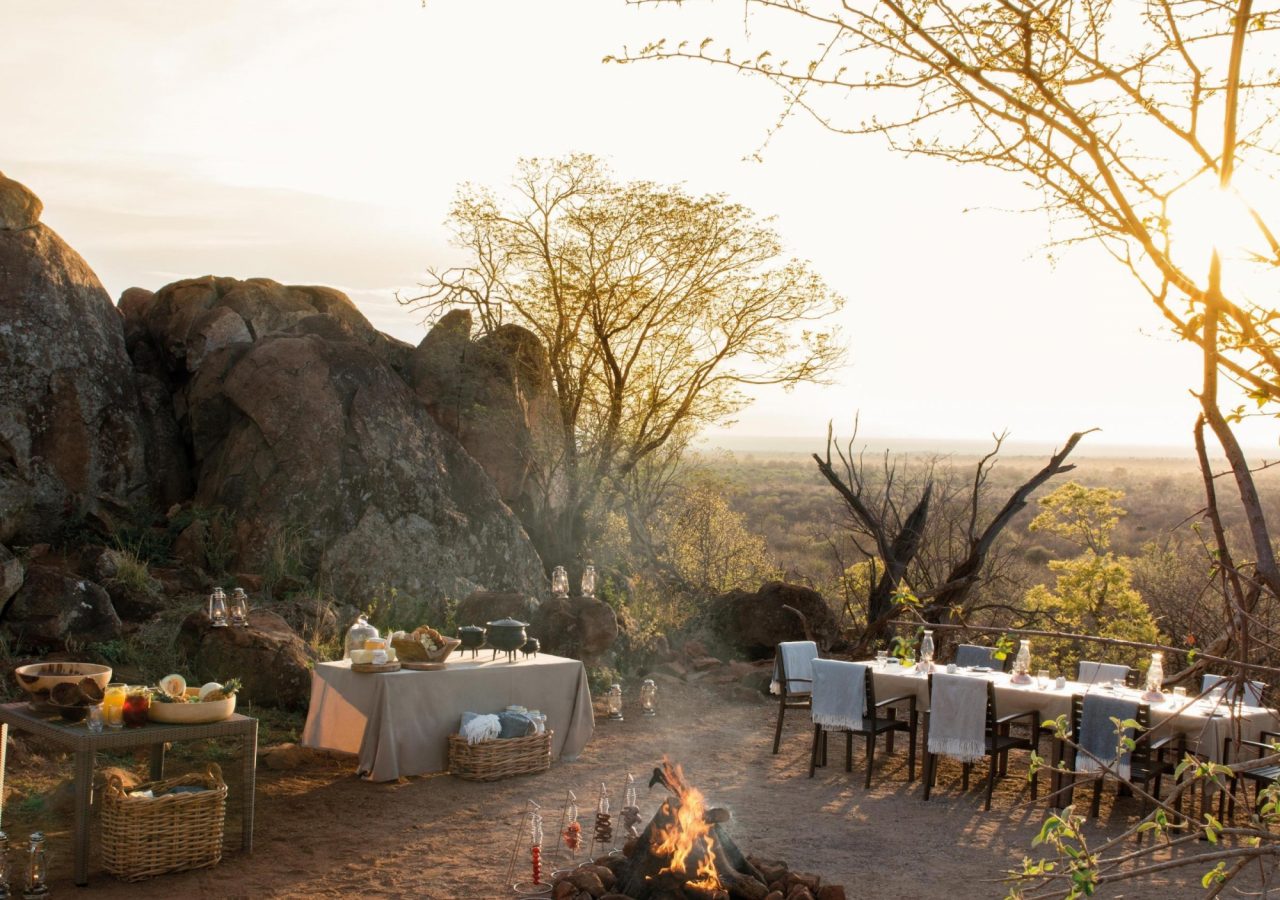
<point x="606" y="876"/>
<point x="588" y="881"/>
<point x="286" y="757"/>
<point x="831" y="892"/>
<point x="695" y="649"/>
<point x="776" y="895"/>
<point x="564" y="889"/>
<point x="706" y="663"/>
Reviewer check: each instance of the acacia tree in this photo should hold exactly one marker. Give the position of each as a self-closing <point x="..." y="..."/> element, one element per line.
<point x="656" y="308"/>
<point x="1113" y="113"/>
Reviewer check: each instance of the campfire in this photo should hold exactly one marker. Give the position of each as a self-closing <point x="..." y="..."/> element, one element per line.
<point x="686" y="853"/>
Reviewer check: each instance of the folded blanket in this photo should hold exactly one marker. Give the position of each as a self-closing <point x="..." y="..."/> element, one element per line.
<point x="1098" y="733"/>
<point x="477" y="728"/>
<point x="839" y="693"/>
<point x="516" y="725"/>
<point x="958" y="717"/>
<point x="797" y="657"/>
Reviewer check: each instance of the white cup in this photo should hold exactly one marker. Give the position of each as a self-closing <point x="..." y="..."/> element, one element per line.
<point x="1060" y="682"/>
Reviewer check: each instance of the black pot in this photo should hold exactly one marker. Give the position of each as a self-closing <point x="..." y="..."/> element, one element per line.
<point x="507" y="635"/>
<point x="531" y="647"/>
<point x="472" y="637"/>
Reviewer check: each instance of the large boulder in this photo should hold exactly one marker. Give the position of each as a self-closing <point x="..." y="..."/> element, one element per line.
<point x="753" y="623"/>
<point x="271" y="661"/>
<point x="319" y="452"/>
<point x="71" y="433"/>
<point x="11" y="574"/>
<point x="53" y="605"/>
<point x="497" y="396"/>
<point x="582" y="628"/>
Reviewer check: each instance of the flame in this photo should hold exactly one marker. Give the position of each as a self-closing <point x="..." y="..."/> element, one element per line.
<point x="687" y="832"/>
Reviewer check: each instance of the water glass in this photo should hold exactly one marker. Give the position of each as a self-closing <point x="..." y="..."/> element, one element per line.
<point x="1117" y="685"/>
<point x="1042" y="679"/>
<point x="94" y="720"/>
<point x="881" y="657"/>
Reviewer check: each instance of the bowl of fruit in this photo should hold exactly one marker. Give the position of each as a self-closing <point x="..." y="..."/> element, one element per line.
<point x="173" y="703"/>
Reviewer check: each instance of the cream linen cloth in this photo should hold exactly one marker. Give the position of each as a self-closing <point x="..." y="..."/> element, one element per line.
<point x="797" y="657"/>
<point x="958" y="717"/>
<point x="839" y="694"/>
<point x="399" y="723"/>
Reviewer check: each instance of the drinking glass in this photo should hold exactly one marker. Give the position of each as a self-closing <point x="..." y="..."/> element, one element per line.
<point x="94" y="720"/>
<point x="113" y="704"/>
<point x="1117" y="685"/>
<point x="881" y="656"/>
<point x="1042" y="679"/>
<point x="135" y="708"/>
<point x="1180" y="692"/>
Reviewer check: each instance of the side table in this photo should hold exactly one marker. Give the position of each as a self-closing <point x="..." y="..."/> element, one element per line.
<point x="85" y="746"/>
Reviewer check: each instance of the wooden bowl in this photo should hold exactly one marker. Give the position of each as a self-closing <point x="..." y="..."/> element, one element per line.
<point x="192" y="713"/>
<point x="410" y="651"/>
<point x="38" y="679"/>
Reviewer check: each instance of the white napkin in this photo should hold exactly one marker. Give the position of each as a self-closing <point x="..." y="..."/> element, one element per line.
<point x="1098" y="732"/>
<point x="797" y="657"/>
<point x="839" y="694"/>
<point x="958" y="717"/>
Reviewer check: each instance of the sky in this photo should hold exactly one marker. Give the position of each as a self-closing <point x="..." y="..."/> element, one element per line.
<point x="321" y="143"/>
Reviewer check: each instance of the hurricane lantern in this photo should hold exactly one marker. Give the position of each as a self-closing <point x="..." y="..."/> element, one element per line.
<point x="238" y="609"/>
<point x="218" y="608"/>
<point x="613" y="700"/>
<point x="559" y="582"/>
<point x="649" y="697"/>
<point x="589" y="581"/>
<point x="37" y="869"/>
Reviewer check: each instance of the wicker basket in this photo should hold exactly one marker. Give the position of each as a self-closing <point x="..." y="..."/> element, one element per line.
<point x="500" y="758"/>
<point x="143" y="837"/>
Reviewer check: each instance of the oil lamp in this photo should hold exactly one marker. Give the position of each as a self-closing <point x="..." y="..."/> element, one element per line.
<point x="37" y="870"/>
<point x="589" y="581"/>
<point x="613" y="700"/>
<point x="218" y="608"/>
<point x="649" y="697"/>
<point x="559" y="582"/>
<point x="1022" y="664"/>
<point x="239" y="607"/>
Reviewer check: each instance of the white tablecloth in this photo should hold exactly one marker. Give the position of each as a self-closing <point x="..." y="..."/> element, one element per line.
<point x="399" y="722"/>
<point x="1205" y="724"/>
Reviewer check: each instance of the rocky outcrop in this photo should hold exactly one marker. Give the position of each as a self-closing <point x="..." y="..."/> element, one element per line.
<point x="52" y="606"/>
<point x="316" y="448"/>
<point x="753" y="623"/>
<point x="582" y="628"/>
<point x="11" y="575"/>
<point x="496" y="395"/>
<point x="71" y="433"/>
<point x="271" y="661"/>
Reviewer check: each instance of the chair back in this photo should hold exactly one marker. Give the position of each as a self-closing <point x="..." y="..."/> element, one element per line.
<point x="1224" y="686"/>
<point x="1141" y="750"/>
<point x="1091" y="672"/>
<point x="968" y="655"/>
<point x="951" y="733"/>
<point x="793" y="666"/>
<point x="840" y="694"/>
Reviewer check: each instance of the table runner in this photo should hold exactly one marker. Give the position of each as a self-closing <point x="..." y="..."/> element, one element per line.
<point x="399" y="722"/>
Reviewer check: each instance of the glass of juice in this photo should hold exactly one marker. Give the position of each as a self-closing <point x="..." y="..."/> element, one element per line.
<point x="136" y="704"/>
<point x="113" y="704"/>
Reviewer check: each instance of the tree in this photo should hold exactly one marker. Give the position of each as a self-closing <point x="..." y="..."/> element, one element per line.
<point x="1082" y="515"/>
<point x="656" y="308"/>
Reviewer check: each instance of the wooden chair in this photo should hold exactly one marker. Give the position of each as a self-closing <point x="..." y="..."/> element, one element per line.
<point x="998" y="744"/>
<point x="800" y="698"/>
<point x="1261" y="778"/>
<point x="1148" y="762"/>
<point x="1227" y="687"/>
<point x="1091" y="672"/>
<point x="873" y="725"/>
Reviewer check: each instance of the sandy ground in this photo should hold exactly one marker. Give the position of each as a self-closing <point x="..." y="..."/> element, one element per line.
<point x="322" y="832"/>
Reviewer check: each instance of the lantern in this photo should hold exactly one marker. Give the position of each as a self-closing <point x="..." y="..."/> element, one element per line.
<point x="926" y="651"/>
<point x="1155" y="678"/>
<point x="239" y="607"/>
<point x="649" y="697"/>
<point x="37" y="869"/>
<point x="589" y="581"/>
<point x="559" y="582"/>
<point x="614" y="702"/>
<point x="218" y="608"/>
<point x="1022" y="664"/>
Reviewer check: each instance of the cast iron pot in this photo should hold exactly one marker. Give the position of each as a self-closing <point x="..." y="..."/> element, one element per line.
<point x="507" y="635"/>
<point x="472" y="637"/>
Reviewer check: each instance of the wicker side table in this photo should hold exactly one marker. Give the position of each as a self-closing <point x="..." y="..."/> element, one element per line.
<point x="85" y="746"/>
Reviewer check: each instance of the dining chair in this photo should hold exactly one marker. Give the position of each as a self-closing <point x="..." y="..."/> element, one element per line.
<point x="996" y="739"/>
<point x="1228" y="687"/>
<point x="970" y="655"/>
<point x="793" y="678"/>
<point x="1149" y="760"/>
<point x="874" y="724"/>
<point x="1261" y="777"/>
<point x="1091" y="672"/>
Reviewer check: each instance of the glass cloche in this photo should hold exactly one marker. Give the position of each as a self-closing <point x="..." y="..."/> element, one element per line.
<point x="357" y="634"/>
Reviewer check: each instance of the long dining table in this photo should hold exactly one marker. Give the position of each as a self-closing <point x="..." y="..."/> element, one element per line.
<point x="1205" y="723"/>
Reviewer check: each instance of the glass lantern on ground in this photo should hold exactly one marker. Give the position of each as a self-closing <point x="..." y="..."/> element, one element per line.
<point x="238" y="608"/>
<point x="649" y="697"/>
<point x="1022" y="663"/>
<point x="613" y="701"/>
<point x="218" y="608"/>
<point x="37" y="874"/>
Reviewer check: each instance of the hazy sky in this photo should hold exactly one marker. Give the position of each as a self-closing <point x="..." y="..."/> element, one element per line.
<point x="321" y="142"/>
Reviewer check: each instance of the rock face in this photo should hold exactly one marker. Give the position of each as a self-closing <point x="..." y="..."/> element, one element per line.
<point x="71" y="430"/>
<point x="52" y="606"/>
<point x="318" y="450"/>
<point x="496" y="395"/>
<point x="754" y="623"/>
<point x="11" y="575"/>
<point x="580" y="627"/>
<point x="273" y="663"/>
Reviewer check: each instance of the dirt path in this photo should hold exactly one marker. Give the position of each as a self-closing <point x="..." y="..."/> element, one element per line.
<point x="324" y="833"/>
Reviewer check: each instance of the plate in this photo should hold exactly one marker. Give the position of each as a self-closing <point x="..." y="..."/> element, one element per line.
<point x="981" y="670"/>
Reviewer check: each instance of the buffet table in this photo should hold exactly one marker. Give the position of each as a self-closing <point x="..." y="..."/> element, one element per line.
<point x="1206" y="723"/>
<point x="399" y="722"/>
